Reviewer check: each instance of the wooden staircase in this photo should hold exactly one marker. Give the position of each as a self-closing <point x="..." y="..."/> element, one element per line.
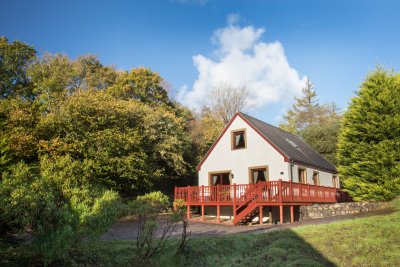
<point x="248" y="207"/>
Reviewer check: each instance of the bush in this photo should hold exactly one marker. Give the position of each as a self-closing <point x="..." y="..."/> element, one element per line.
<point x="157" y="200"/>
<point x="33" y="204"/>
<point x="57" y="218"/>
<point x="147" y="208"/>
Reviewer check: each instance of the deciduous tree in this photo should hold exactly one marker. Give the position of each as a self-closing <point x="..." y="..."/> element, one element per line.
<point x="227" y="100"/>
<point x="15" y="58"/>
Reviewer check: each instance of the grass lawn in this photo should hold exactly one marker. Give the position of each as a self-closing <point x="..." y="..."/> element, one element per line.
<point x="367" y="241"/>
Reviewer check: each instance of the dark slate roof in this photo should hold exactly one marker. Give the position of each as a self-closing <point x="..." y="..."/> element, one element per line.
<point x="292" y="146"/>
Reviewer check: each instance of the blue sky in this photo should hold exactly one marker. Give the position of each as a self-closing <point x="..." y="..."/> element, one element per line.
<point x="335" y="43"/>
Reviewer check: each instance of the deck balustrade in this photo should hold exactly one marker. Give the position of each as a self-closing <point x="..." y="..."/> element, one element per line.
<point x="270" y="192"/>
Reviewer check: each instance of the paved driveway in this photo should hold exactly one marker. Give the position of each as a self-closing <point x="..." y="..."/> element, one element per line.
<point x="127" y="229"/>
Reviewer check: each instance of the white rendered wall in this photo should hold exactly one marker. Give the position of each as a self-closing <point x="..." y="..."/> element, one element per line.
<point x="325" y="178"/>
<point x="258" y="152"/>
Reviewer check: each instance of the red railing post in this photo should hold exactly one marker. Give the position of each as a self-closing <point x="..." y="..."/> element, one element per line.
<point x="280" y="190"/>
<point x="309" y="193"/>
<point x="202" y="194"/>
<point x="300" y="192"/>
<point x="188" y="193"/>
<point x="234" y="201"/>
<point x="175" y="192"/>
<point x="291" y="190"/>
<point x="218" y="196"/>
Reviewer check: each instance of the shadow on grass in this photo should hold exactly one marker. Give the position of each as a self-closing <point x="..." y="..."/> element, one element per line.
<point x="278" y="248"/>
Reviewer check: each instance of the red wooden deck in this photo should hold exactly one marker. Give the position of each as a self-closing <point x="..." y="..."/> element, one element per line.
<point x="246" y="198"/>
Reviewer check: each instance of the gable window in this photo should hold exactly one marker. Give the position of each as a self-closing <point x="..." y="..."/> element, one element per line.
<point x="302" y="176"/>
<point x="258" y="174"/>
<point x="335" y="181"/>
<point x="238" y="139"/>
<point x="315" y="178"/>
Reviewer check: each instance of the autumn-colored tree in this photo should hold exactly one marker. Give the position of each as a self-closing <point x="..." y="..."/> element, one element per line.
<point x="74" y="135"/>
<point x="141" y="84"/>
<point x="205" y="129"/>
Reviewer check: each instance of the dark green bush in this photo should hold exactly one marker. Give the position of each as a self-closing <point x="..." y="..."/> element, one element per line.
<point x="56" y="218"/>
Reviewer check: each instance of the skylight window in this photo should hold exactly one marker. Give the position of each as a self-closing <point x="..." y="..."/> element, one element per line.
<point x="293" y="144"/>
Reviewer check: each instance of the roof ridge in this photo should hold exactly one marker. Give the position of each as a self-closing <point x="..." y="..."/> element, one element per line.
<point x="269" y="124"/>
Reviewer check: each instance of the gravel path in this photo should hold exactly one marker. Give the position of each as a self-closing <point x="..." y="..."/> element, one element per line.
<point x="126" y="230"/>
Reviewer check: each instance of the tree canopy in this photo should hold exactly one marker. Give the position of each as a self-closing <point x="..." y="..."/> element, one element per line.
<point x="317" y="124"/>
<point x="75" y="136"/>
<point x="369" y="142"/>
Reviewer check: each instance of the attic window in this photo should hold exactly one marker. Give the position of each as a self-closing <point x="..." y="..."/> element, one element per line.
<point x="238" y="139"/>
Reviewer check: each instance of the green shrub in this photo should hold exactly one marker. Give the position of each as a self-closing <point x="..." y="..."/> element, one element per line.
<point x="147" y="208"/>
<point x="31" y="203"/>
<point x="105" y="211"/>
<point x="58" y="217"/>
<point x="157" y="200"/>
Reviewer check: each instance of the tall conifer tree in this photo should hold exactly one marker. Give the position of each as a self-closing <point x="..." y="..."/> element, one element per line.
<point x="369" y="143"/>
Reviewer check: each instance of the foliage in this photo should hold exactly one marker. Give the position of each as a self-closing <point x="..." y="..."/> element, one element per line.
<point x="31" y="203"/>
<point x="15" y="57"/>
<point x="180" y="207"/>
<point x="143" y="85"/>
<point x="317" y="125"/>
<point x="365" y="241"/>
<point x="55" y="216"/>
<point x="75" y="135"/>
<point x="5" y="155"/>
<point x="157" y="201"/>
<point x="228" y="100"/>
<point x="369" y="142"/>
<point x="204" y="131"/>
<point x="323" y="138"/>
<point x="126" y="145"/>
<point x="147" y="209"/>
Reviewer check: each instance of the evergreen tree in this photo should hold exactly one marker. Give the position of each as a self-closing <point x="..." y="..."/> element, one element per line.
<point x="316" y="124"/>
<point x="304" y="112"/>
<point x="369" y="142"/>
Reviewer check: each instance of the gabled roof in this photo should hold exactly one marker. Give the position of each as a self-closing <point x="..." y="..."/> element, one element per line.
<point x="290" y="146"/>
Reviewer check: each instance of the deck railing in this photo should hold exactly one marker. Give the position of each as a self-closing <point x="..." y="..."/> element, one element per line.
<point x="267" y="192"/>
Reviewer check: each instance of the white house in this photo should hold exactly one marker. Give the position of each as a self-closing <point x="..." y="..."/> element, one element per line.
<point x="249" y="150"/>
<point x="254" y="168"/>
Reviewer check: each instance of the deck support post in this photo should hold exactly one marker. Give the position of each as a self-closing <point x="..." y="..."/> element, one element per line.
<point x="218" y="214"/>
<point x="202" y="212"/>
<point x="292" y="214"/>
<point x="188" y="211"/>
<point x="281" y="214"/>
<point x="261" y="215"/>
<point x="270" y="216"/>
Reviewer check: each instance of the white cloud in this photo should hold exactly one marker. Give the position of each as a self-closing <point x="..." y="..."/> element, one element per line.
<point x="242" y="59"/>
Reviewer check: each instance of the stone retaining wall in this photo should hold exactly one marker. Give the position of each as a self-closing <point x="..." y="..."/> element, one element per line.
<point x="328" y="210"/>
